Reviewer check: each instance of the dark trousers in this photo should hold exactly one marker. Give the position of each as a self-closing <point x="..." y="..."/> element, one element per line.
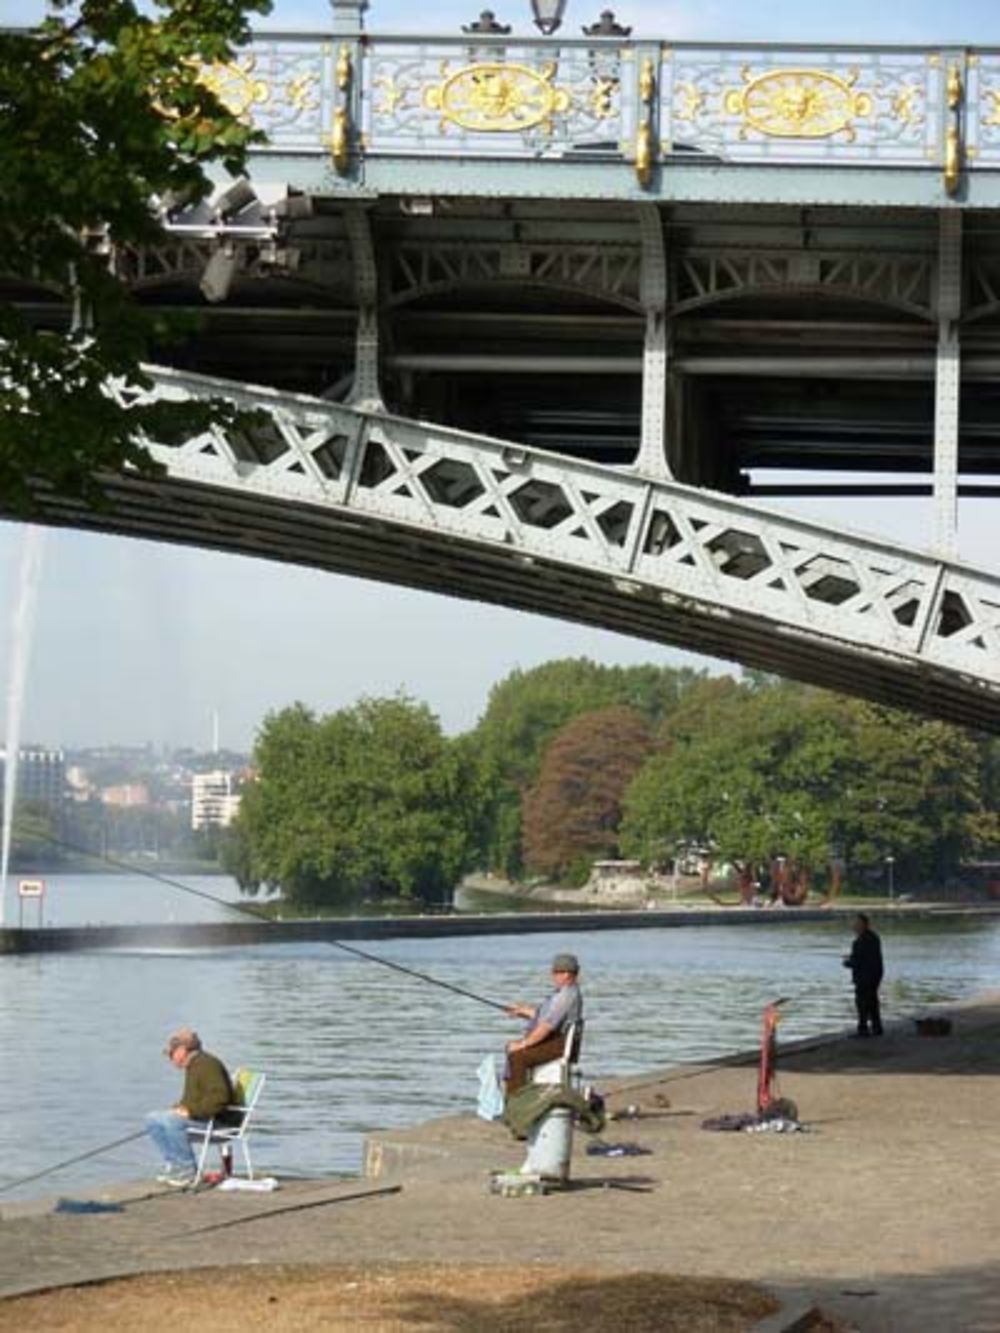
<point x="869" y="1017"/>
<point x="519" y="1062"/>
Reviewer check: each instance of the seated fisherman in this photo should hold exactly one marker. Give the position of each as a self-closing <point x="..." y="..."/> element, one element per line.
<point x="544" y="1036"/>
<point x="207" y="1093"/>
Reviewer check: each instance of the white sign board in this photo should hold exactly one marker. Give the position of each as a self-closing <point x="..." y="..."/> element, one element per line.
<point x="30" y="888"/>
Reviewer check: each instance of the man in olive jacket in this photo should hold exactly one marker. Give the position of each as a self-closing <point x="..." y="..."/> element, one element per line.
<point x="207" y="1092"/>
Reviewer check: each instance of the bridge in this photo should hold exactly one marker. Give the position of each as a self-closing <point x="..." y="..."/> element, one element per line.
<point x="548" y="322"/>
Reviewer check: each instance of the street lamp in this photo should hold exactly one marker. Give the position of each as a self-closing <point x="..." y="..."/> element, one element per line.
<point x="548" y="15"/>
<point x="890" y="862"/>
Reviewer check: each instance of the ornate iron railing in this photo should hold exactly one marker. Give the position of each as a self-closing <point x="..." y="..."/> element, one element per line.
<point x="647" y="103"/>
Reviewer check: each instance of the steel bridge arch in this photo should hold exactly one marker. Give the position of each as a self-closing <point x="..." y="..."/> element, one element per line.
<point x="822" y="291"/>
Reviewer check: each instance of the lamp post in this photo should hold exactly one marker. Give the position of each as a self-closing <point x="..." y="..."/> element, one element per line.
<point x="548" y="15"/>
<point x="890" y="862"/>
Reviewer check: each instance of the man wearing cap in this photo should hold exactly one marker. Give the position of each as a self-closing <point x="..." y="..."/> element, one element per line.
<point x="207" y="1092"/>
<point x="544" y="1036"/>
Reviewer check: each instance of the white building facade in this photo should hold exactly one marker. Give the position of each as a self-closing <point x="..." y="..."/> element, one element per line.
<point x="215" y="799"/>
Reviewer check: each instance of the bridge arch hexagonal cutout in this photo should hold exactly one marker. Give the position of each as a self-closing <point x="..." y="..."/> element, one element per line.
<point x="453" y="483"/>
<point x="738" y="555"/>
<point x="541" y="504"/>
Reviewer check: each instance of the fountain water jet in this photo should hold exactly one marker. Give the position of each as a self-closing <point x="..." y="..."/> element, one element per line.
<point x="22" y="623"/>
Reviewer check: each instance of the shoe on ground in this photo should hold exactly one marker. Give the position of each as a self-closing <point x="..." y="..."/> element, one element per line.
<point x="175" y="1175"/>
<point x="180" y="1181"/>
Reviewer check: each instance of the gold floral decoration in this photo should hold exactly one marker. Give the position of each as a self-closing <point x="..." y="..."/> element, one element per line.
<point x="497" y="98"/>
<point x="690" y="100"/>
<point x="300" y="92"/>
<point x="798" y="103"/>
<point x="392" y="94"/>
<point x="236" y="86"/>
<point x="904" y="106"/>
<point x="602" y="96"/>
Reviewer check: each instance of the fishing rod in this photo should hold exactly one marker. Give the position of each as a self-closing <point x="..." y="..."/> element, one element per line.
<point x="256" y="914"/>
<point x="72" y="1161"/>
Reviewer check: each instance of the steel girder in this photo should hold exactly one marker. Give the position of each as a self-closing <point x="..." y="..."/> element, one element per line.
<point x="403" y="501"/>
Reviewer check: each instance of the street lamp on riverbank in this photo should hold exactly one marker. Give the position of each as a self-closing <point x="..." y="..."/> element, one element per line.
<point x="890" y="862"/>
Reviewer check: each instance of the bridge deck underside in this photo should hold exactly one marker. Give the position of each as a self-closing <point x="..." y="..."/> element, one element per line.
<point x="799" y="339"/>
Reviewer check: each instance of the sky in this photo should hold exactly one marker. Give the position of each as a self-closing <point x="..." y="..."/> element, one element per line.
<point x="137" y="642"/>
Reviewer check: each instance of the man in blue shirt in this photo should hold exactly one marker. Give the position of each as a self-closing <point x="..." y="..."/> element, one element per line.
<point x="545" y="1035"/>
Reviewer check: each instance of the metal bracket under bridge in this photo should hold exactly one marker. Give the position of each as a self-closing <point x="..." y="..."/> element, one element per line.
<point x="365" y="493"/>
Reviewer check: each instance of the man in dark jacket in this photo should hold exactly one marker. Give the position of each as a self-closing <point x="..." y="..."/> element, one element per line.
<point x="207" y="1092"/>
<point x="865" y="962"/>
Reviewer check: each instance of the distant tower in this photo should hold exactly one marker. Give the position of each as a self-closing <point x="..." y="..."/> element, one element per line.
<point x="215" y="731"/>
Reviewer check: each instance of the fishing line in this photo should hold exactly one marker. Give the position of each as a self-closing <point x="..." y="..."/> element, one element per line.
<point x="247" y="910"/>
<point x="72" y="1161"/>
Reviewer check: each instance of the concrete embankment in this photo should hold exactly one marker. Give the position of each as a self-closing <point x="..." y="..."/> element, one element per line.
<point x="236" y="934"/>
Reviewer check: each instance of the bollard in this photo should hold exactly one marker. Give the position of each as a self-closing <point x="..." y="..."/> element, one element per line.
<point x="550" y="1146"/>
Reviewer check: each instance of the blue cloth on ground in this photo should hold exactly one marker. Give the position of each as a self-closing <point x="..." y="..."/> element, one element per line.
<point x="86" y="1206"/>
<point x="490" y="1106"/>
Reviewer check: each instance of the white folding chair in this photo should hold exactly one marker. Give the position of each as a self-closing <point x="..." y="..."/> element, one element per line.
<point x="248" y="1084"/>
<point x="561" y="1069"/>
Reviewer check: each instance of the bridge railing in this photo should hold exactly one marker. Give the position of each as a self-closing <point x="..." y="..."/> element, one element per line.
<point x="646" y="103"/>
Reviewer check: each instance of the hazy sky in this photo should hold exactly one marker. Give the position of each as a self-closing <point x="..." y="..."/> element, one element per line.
<point x="136" y="641"/>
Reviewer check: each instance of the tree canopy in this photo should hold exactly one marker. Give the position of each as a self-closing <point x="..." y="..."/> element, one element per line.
<point x="528" y="708"/>
<point x="572" y="814"/>
<point x="102" y="109"/>
<point x="369" y="802"/>
<point x="788" y="770"/>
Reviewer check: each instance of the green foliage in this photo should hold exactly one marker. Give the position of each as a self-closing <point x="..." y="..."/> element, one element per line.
<point x="101" y="108"/>
<point x="528" y="708"/>
<point x="767" y="768"/>
<point x="31" y="842"/>
<point x="370" y="802"/>
<point x="571" y="815"/>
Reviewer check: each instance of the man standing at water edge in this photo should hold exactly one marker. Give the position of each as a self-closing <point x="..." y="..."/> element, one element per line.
<point x="865" y="962"/>
<point x="207" y="1092"/>
<point x="544" y="1038"/>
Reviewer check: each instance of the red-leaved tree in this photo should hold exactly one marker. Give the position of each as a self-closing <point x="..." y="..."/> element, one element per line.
<point x="571" y="815"/>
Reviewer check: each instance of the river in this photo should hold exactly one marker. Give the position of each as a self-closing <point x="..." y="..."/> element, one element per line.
<point x="348" y="1045"/>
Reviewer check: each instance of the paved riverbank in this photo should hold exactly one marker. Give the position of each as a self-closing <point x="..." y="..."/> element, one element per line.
<point x="883" y="1214"/>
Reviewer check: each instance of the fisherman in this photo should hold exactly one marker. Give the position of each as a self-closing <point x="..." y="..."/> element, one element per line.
<point x="544" y="1036"/>
<point x="206" y="1094"/>
<point x="865" y="962"/>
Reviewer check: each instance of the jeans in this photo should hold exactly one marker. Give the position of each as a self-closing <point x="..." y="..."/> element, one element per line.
<point x="168" y="1130"/>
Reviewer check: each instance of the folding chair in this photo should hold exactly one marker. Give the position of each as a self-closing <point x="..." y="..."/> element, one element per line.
<point x="563" y="1067"/>
<point x="247" y="1087"/>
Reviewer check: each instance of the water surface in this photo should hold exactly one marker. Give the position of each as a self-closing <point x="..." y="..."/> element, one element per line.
<point x="349" y="1046"/>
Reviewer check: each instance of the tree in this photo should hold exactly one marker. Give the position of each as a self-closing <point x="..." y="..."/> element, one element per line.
<point x="369" y="802"/>
<point x="101" y="108"/>
<point x="571" y="815"/>
<point x="779" y="769"/>
<point x="528" y="708"/>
